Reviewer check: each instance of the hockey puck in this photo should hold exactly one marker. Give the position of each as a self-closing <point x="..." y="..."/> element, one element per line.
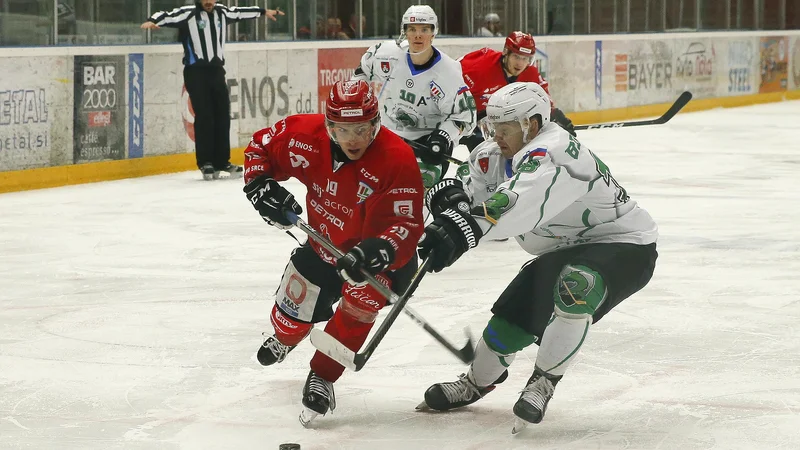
<point x="289" y="446"/>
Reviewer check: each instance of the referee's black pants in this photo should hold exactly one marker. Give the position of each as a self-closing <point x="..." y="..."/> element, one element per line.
<point x="208" y="92"/>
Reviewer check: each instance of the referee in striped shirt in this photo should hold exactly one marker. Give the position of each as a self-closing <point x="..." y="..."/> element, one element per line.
<point x="201" y="30"/>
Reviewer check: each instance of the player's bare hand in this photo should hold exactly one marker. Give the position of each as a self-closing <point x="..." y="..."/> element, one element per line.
<point x="271" y="13"/>
<point x="149" y="26"/>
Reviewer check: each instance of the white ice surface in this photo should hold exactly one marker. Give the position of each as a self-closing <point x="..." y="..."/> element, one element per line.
<point x="130" y="310"/>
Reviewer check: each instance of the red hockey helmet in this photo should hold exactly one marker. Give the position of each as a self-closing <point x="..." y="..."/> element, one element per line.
<point x="351" y="101"/>
<point x="520" y="43"/>
<point x="352" y="116"/>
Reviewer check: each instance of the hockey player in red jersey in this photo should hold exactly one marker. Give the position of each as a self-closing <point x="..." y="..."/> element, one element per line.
<point x="486" y="70"/>
<point x="365" y="195"/>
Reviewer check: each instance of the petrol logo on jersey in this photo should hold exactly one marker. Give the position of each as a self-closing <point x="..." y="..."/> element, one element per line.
<point x="385" y="67"/>
<point x="364" y="191"/>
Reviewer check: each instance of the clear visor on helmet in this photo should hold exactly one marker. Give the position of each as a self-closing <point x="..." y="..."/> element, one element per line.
<point x="503" y="130"/>
<point x="520" y="58"/>
<point x="353" y="132"/>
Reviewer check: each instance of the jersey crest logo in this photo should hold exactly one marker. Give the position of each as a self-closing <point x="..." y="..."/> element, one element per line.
<point x="364" y="191"/>
<point x="436" y="91"/>
<point x="484" y="164"/>
<point x="404" y="208"/>
<point x="385" y="66"/>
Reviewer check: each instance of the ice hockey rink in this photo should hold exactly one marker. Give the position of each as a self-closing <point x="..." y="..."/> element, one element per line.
<point x="130" y="311"/>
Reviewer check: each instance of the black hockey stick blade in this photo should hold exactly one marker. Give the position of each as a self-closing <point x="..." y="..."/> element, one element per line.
<point x="335" y="350"/>
<point x="674" y="109"/>
<point x="465" y="354"/>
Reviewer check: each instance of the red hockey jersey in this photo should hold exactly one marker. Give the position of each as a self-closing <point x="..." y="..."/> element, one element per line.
<point x="378" y="195"/>
<point x="483" y="73"/>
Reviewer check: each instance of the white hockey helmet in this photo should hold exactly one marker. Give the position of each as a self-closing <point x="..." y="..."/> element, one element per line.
<point x="516" y="102"/>
<point x="419" y="14"/>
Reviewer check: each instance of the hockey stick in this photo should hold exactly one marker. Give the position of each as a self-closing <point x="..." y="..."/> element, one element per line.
<point x="417" y="146"/>
<point x="328" y="345"/>
<point x="677" y="106"/>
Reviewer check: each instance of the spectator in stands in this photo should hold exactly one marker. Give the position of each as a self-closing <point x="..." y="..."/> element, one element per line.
<point x="352" y="27"/>
<point x="306" y="32"/>
<point x="491" y="26"/>
<point x="335" y="29"/>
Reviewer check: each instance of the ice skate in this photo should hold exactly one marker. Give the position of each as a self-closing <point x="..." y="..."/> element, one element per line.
<point x="272" y="351"/>
<point x="318" y="398"/>
<point x="208" y="172"/>
<point x="233" y="170"/>
<point x="455" y="394"/>
<point x="533" y="400"/>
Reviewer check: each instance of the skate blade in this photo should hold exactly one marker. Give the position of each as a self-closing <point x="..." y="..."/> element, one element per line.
<point x="423" y="407"/>
<point x="306" y="416"/>
<point x="519" y="425"/>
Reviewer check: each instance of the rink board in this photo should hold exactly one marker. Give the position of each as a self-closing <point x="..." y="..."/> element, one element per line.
<point x="80" y="114"/>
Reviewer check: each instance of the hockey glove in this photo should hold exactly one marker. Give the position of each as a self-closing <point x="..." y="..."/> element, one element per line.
<point x="557" y="116"/>
<point x="271" y="200"/>
<point x="372" y="254"/>
<point x="435" y="148"/>
<point x="473" y="140"/>
<point x="449" y="235"/>
<point x="444" y="195"/>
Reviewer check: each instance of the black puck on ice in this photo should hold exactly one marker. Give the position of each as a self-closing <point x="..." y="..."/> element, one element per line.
<point x="289" y="446"/>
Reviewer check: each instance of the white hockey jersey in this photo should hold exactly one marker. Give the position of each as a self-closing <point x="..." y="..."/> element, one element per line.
<point x="554" y="193"/>
<point x="414" y="103"/>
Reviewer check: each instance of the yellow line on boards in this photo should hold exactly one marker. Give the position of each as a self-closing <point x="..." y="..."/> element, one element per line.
<point x="49" y="177"/>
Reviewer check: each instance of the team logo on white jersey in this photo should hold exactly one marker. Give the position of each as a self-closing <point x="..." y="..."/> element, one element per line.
<point x="484" y="164"/>
<point x="436" y="91"/>
<point x="409" y="83"/>
<point x="385" y="67"/>
<point x="364" y="191"/>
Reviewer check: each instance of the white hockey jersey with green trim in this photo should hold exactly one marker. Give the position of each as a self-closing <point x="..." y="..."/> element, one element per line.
<point x="553" y="194"/>
<point x="416" y="102"/>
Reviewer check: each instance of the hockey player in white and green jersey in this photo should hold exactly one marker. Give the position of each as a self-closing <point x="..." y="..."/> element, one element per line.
<point x="423" y="95"/>
<point x="594" y="245"/>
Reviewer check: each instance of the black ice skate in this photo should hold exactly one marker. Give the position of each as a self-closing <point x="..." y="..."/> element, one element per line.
<point x="272" y="351"/>
<point x="455" y="394"/>
<point x="233" y="170"/>
<point x="208" y="172"/>
<point x="533" y="400"/>
<point x="318" y="398"/>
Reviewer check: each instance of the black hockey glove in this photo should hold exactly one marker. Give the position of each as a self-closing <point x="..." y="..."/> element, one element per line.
<point x="271" y="200"/>
<point x="435" y="148"/>
<point x="473" y="140"/>
<point x="372" y="254"/>
<point x="444" y="195"/>
<point x="557" y="116"/>
<point x="449" y="235"/>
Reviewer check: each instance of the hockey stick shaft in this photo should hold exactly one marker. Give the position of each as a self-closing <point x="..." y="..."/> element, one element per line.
<point x="417" y="146"/>
<point x="682" y="100"/>
<point x="465" y="354"/>
<point x="337" y="351"/>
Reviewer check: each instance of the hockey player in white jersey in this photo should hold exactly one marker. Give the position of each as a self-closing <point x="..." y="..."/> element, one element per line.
<point x="595" y="247"/>
<point x="423" y="95"/>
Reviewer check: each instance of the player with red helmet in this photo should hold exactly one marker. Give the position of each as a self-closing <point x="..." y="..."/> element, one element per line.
<point x="365" y="195"/>
<point x="486" y="70"/>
